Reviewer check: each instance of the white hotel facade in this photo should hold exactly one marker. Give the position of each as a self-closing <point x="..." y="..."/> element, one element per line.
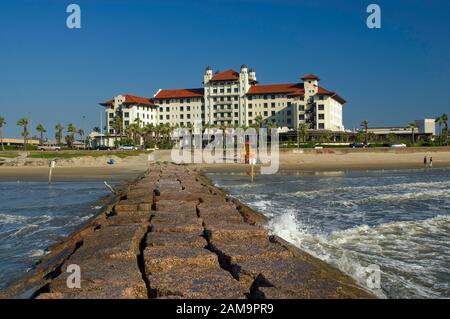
<point x="234" y="98"/>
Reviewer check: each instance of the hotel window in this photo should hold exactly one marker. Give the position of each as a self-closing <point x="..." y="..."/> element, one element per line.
<point x="289" y="104"/>
<point x="301" y="107"/>
<point x="265" y="105"/>
<point x="111" y="131"/>
<point x="273" y="97"/>
<point x="265" y="97"/>
<point x="215" y="90"/>
<point x="250" y="98"/>
<point x="181" y="101"/>
<point x="167" y="109"/>
<point x="288" y="112"/>
<point x="288" y="121"/>
<point x="236" y="90"/>
<point x="188" y="101"/>
<point x="321" y="116"/>
<point x="222" y="91"/>
<point x="320" y="97"/>
<point x="321" y="126"/>
<point x="215" y="99"/>
<point x="302" y="98"/>
<point x="188" y="108"/>
<point x="222" y="98"/>
<point x="181" y="116"/>
<point x="161" y="117"/>
<point x="215" y="107"/>
<point x="265" y="113"/>
<point x="181" y="123"/>
<point x="236" y="106"/>
<point x="236" y="114"/>
<point x="273" y="113"/>
<point x="250" y="122"/>
<point x="161" y="109"/>
<point x="229" y="90"/>
<point x="167" y="117"/>
<point x="321" y="107"/>
<point x="203" y="107"/>
<point x="167" y="101"/>
<point x="236" y="98"/>
<point x="250" y="114"/>
<point x="236" y="122"/>
<point x="302" y="117"/>
<point x="188" y="116"/>
<point x="111" y="115"/>
<point x="203" y="116"/>
<point x="127" y="123"/>
<point x="111" y="123"/>
<point x="228" y="98"/>
<point x="273" y="104"/>
<point x="181" y="108"/>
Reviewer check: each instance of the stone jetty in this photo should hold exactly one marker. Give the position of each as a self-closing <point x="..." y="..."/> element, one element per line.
<point x="173" y="235"/>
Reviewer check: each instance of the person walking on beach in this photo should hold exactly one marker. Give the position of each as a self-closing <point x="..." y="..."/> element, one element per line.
<point x="425" y="161"/>
<point x="431" y="162"/>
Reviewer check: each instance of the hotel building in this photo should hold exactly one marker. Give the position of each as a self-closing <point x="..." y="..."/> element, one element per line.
<point x="235" y="98"/>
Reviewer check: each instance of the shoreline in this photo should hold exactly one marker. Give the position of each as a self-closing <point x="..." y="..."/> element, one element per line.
<point x="48" y="271"/>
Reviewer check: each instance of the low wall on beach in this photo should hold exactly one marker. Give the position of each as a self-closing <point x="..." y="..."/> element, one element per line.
<point x="172" y="235"/>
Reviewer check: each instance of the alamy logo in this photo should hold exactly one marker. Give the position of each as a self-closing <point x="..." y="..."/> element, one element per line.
<point x="73" y="21"/>
<point x="230" y="145"/>
<point x="374" y="19"/>
<point x="74" y="279"/>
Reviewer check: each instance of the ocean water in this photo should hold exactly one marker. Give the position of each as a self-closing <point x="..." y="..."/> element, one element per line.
<point x="397" y="220"/>
<point x="34" y="215"/>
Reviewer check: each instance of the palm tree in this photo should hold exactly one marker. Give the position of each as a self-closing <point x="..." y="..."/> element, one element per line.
<point x="41" y="129"/>
<point x="59" y="133"/>
<point x="258" y="123"/>
<point x="117" y="126"/>
<point x="81" y="134"/>
<point x="71" y="130"/>
<point x="412" y="126"/>
<point x="147" y="134"/>
<point x="24" y="123"/>
<point x="439" y="120"/>
<point x="444" y="118"/>
<point x="303" y="132"/>
<point x="2" y="124"/>
<point x="365" y="125"/>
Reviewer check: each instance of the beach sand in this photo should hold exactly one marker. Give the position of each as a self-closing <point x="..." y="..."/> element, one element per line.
<point x="291" y="160"/>
<point x="309" y="160"/>
<point x="82" y="169"/>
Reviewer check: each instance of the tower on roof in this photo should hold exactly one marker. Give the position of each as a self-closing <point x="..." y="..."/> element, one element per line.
<point x="208" y="75"/>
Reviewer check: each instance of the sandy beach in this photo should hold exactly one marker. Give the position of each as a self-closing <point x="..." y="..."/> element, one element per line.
<point x="83" y="168"/>
<point x="299" y="160"/>
<point x="310" y="160"/>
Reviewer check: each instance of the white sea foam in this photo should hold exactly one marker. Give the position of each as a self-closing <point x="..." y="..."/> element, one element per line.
<point x="396" y="247"/>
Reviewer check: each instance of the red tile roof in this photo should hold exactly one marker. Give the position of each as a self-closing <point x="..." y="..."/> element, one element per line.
<point x="274" y="88"/>
<point x="292" y="89"/>
<point x="311" y="77"/>
<point x="229" y="75"/>
<point x="181" y="93"/>
<point x="132" y="99"/>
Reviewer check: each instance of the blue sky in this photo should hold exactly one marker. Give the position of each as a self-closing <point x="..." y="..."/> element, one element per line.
<point x="389" y="76"/>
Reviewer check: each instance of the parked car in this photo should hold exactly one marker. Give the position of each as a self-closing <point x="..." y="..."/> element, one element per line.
<point x="358" y="145"/>
<point x="398" y="145"/>
<point x="103" y="148"/>
<point x="49" y="147"/>
<point x="128" y="148"/>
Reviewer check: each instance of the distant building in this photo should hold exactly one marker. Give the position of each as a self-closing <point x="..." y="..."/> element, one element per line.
<point x="425" y="129"/>
<point x="234" y="99"/>
<point x="426" y="126"/>
<point x="19" y="142"/>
